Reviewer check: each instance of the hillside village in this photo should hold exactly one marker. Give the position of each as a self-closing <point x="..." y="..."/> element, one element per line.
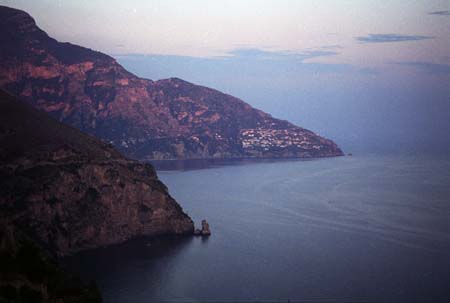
<point x="267" y="139"/>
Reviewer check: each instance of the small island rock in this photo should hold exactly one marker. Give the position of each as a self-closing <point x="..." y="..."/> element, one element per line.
<point x="205" y="228"/>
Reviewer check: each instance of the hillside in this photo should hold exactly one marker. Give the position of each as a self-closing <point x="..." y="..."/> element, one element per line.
<point x="69" y="191"/>
<point x="145" y="119"/>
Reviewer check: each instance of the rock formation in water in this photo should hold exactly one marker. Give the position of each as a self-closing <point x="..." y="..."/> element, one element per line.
<point x="205" y="228"/>
<point x="204" y="231"/>
<point x="69" y="191"/>
<point x="166" y="119"/>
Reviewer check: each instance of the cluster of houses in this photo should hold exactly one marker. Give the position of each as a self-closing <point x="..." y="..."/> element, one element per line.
<point x="266" y="139"/>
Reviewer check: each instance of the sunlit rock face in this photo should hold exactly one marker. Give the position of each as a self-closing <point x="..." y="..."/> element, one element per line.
<point x="166" y="119"/>
<point x="69" y="191"/>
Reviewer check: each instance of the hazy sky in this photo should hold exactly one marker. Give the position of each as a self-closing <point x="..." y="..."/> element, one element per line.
<point x="368" y="74"/>
<point x="214" y="27"/>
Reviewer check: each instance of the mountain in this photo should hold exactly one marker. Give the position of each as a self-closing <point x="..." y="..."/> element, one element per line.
<point x="166" y="119"/>
<point x="69" y="191"/>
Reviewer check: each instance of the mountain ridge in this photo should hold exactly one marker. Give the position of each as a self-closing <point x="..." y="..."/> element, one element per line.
<point x="144" y="119"/>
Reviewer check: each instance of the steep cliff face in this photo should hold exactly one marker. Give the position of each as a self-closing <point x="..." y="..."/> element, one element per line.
<point x="165" y="119"/>
<point x="69" y="191"/>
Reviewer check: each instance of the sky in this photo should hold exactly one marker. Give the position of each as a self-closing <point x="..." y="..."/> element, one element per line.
<point x="374" y="76"/>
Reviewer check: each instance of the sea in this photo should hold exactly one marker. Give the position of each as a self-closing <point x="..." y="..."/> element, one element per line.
<point x="362" y="228"/>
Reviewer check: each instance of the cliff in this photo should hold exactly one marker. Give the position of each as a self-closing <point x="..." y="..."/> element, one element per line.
<point x="166" y="119"/>
<point x="69" y="191"/>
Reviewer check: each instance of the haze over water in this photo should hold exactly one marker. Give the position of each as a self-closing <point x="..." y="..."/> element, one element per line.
<point x="358" y="229"/>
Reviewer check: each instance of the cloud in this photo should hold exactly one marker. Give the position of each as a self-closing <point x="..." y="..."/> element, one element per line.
<point x="440" y="13"/>
<point x="333" y="46"/>
<point x="427" y="67"/>
<point x="386" y="38"/>
<point x="252" y="64"/>
<point x="259" y="54"/>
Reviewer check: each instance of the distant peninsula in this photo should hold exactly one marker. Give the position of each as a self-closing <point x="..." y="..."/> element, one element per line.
<point x="144" y="119"/>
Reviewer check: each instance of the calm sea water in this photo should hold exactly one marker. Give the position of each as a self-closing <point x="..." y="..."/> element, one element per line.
<point x="347" y="229"/>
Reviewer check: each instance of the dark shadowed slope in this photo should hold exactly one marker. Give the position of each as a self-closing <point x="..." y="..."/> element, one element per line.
<point x="69" y="191"/>
<point x="29" y="274"/>
<point x="166" y="119"/>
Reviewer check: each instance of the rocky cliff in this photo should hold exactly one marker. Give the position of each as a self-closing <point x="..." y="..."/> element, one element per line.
<point x="69" y="191"/>
<point x="145" y="119"/>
